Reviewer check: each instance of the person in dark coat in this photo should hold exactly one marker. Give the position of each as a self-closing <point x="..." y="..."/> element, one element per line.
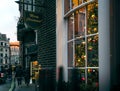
<point x="19" y="75"/>
<point x="27" y="76"/>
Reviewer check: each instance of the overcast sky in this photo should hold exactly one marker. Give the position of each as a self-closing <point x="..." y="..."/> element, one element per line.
<point x="9" y="14"/>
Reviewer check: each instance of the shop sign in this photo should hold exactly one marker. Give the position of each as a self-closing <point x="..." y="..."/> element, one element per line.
<point x="33" y="19"/>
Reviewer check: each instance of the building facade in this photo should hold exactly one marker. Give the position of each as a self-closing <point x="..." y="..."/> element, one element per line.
<point x="26" y="35"/>
<point x="15" y="52"/>
<point x="4" y="51"/>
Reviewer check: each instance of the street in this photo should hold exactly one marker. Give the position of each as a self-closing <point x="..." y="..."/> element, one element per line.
<point x="23" y="87"/>
<point x="5" y="86"/>
<point x="31" y="87"/>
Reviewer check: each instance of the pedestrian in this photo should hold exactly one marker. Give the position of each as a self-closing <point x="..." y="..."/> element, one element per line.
<point x="27" y="76"/>
<point x="19" y="75"/>
<point x="9" y="71"/>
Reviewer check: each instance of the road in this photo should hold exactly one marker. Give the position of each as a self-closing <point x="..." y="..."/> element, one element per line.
<point x="6" y="86"/>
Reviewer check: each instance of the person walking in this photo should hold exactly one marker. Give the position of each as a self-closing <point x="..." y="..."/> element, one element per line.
<point x="27" y="76"/>
<point x="19" y="75"/>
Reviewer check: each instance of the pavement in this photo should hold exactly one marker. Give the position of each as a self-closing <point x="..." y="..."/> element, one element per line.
<point x="5" y="86"/>
<point x="23" y="87"/>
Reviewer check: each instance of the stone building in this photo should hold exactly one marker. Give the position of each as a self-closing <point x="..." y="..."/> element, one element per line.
<point x="14" y="49"/>
<point x="4" y="51"/>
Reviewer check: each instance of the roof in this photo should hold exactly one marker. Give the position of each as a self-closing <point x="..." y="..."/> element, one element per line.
<point x="16" y="43"/>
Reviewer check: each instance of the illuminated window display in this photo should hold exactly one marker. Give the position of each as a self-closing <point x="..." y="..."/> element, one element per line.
<point x="83" y="39"/>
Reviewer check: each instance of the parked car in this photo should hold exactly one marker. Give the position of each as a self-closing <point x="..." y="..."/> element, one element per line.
<point x="2" y="78"/>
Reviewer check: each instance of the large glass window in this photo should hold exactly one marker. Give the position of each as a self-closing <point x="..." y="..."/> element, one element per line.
<point x="83" y="41"/>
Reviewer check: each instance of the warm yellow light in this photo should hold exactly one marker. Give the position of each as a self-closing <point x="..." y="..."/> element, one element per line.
<point x="35" y="62"/>
<point x="95" y="29"/>
<point x="93" y="16"/>
<point x="78" y="60"/>
<point x="83" y="42"/>
<point x="89" y="70"/>
<point x="75" y="3"/>
<point x="89" y="39"/>
<point x="84" y="56"/>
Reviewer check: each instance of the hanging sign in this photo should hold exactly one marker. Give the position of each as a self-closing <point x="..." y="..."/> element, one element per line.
<point x="33" y="19"/>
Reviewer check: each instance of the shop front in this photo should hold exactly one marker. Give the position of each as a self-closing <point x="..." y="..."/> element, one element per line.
<point x="35" y="67"/>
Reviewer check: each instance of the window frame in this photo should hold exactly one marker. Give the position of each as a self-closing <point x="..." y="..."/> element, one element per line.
<point x="66" y="15"/>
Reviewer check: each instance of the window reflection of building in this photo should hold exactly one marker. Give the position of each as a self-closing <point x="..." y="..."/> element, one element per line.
<point x="83" y="39"/>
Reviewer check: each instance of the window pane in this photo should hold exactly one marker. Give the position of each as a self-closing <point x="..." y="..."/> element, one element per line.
<point x="80" y="53"/>
<point x="76" y="74"/>
<point x="66" y="5"/>
<point x="92" y="51"/>
<point x="74" y="3"/>
<point x="70" y="27"/>
<point x="76" y="24"/>
<point x="80" y="23"/>
<point x="92" y="18"/>
<point x="93" y="79"/>
<point x="70" y="54"/>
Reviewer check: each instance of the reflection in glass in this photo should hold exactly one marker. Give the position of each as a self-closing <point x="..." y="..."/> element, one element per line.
<point x="92" y="51"/>
<point x="70" y="27"/>
<point x="92" y="18"/>
<point x="70" y="54"/>
<point x="80" y="23"/>
<point x="76" y="24"/>
<point x="67" y="6"/>
<point x="80" y="53"/>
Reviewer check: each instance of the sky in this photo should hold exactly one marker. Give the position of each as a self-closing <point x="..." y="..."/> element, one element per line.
<point x="9" y="14"/>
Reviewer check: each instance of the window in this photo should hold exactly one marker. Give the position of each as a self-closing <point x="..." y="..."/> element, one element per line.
<point x="6" y="50"/>
<point x="1" y="61"/>
<point x="29" y="5"/>
<point x="83" y="40"/>
<point x="1" y="49"/>
<point x="1" y="54"/>
<point x="1" y="43"/>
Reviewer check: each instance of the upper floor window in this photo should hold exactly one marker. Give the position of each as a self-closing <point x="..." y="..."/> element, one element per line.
<point x="1" y="54"/>
<point x="29" y="5"/>
<point x="1" y="43"/>
<point x="1" y="60"/>
<point x="1" y="49"/>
